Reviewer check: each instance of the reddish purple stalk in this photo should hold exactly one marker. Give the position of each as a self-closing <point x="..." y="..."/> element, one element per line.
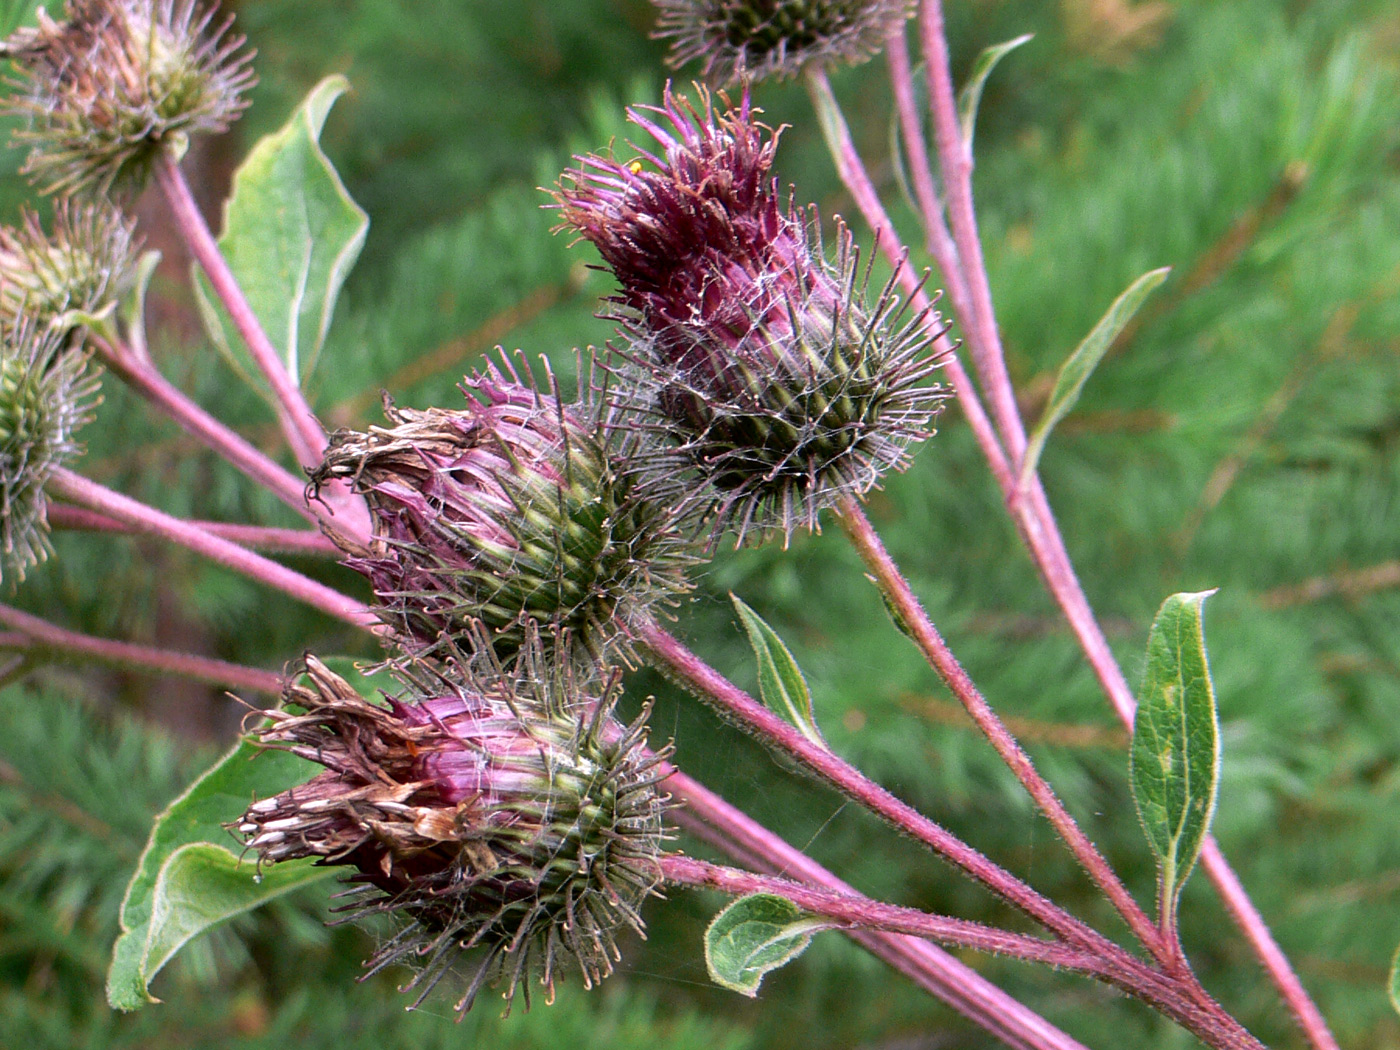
<point x="966" y="276"/>
<point x="65" y="644"/>
<point x="940" y="657"/>
<point x="258" y="537"/>
<point x="714" y="820"/>
<point x="64" y="484"/>
<point x="674" y="659"/>
<point x="199" y="424"/>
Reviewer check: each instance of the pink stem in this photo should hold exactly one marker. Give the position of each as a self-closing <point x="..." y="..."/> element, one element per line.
<point x="713" y="819"/>
<point x="1033" y="513"/>
<point x="850" y="911"/>
<point x="66" y="644"/>
<point x="955" y="161"/>
<point x="887" y="577"/>
<point x="259" y="537"/>
<point x="687" y="669"/>
<point x="64" y="484"/>
<point x="853" y="174"/>
<point x="303" y="432"/>
<point x="937" y="239"/>
<point x="202" y="426"/>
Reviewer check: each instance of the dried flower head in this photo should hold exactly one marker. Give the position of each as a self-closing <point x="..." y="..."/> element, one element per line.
<point x="775" y="38"/>
<point x="120" y="83"/>
<point x="46" y="393"/>
<point x="85" y="267"/>
<point x="505" y="810"/>
<point x="511" y="511"/>
<point x="759" y="361"/>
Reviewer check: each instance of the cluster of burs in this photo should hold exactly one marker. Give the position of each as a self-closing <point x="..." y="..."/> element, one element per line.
<point x="519" y="538"/>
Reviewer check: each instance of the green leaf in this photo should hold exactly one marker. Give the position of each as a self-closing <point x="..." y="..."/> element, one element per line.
<point x="754" y="935"/>
<point x="1393" y="986"/>
<point x="132" y="310"/>
<point x="291" y="235"/>
<point x="780" y="681"/>
<point x="1175" y="756"/>
<point x="188" y="878"/>
<point x="971" y="95"/>
<point x="1075" y="372"/>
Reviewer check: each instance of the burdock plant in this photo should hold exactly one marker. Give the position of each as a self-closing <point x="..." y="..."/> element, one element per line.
<point x="47" y="392"/>
<point x="117" y="84"/>
<point x="515" y="510"/>
<point x="775" y="38"/>
<point x="762" y="365"/>
<point x="482" y="807"/>
<point x="518" y="542"/>
<point x="83" y="268"/>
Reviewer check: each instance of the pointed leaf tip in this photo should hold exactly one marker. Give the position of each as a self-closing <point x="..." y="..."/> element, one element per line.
<point x="1174" y="765"/>
<point x="780" y="681"/>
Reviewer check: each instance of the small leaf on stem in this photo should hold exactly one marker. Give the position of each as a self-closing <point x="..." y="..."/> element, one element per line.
<point x="291" y="234"/>
<point x="780" y="680"/>
<point x="754" y="935"/>
<point x="1075" y="372"/>
<point x="188" y="879"/>
<point x="1393" y="986"/>
<point x="1175" y="755"/>
<point x="971" y="95"/>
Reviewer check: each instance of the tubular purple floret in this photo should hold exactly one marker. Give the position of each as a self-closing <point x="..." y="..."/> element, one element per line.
<point x="512" y="511"/>
<point x="752" y="359"/>
<point x="505" y="809"/>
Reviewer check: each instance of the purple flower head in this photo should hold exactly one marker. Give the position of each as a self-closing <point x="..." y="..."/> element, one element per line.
<point x="509" y="511"/>
<point x="756" y="359"/>
<point x="775" y="38"/>
<point x="502" y="810"/>
<point x="118" y="84"/>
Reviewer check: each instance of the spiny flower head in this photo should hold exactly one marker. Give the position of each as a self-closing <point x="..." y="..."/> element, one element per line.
<point x="775" y="38"/>
<point x="512" y="511"/>
<point x="85" y="266"/>
<point x="120" y="83"/>
<point x="47" y="392"/>
<point x="758" y="360"/>
<point x="503" y="810"/>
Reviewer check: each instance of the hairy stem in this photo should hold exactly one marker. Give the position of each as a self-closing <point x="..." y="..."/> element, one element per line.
<point x="85" y="493"/>
<point x="203" y="427"/>
<point x="670" y="657"/>
<point x="853" y="174"/>
<point x="63" y="644"/>
<point x="893" y="585"/>
<point x="1032" y="510"/>
<point x="258" y="537"/>
<point x="303" y="432"/>
<point x="852" y="911"/>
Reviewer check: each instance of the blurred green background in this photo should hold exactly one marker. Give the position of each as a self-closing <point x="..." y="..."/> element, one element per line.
<point x="1244" y="436"/>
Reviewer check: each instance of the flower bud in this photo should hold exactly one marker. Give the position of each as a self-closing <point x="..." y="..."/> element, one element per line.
<point x="85" y="267"/>
<point x="765" y="369"/>
<point x="510" y="511"/>
<point x="775" y="38"/>
<point x="46" y="393"/>
<point x="120" y="83"/>
<point x="509" y="811"/>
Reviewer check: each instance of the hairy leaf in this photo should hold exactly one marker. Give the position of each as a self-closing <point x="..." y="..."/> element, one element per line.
<point x="1075" y="372"/>
<point x="291" y="235"/>
<point x="1175" y="756"/>
<point x="188" y="879"/>
<point x="780" y="680"/>
<point x="971" y="95"/>
<point x="754" y="935"/>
